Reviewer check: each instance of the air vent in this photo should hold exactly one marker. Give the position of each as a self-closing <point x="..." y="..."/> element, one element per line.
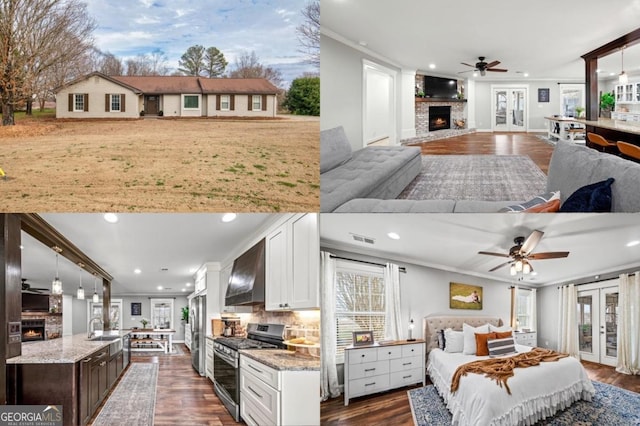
<point x="363" y="239"/>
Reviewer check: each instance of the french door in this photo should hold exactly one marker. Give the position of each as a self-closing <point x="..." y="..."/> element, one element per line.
<point x="509" y="109"/>
<point x="598" y="325"/>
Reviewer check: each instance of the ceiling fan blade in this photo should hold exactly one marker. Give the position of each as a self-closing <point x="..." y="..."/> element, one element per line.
<point x="494" y="254"/>
<point x="469" y="65"/>
<point x="462" y="72"/>
<point x="493" y="64"/>
<point x="496" y="70"/>
<point x="531" y="242"/>
<point x="548" y="255"/>
<point x="501" y="265"/>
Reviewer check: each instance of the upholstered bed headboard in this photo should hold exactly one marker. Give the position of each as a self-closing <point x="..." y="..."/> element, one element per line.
<point x="431" y="324"/>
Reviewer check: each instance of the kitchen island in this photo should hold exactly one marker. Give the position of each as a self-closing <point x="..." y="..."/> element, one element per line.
<point x="614" y="130"/>
<point x="74" y="371"/>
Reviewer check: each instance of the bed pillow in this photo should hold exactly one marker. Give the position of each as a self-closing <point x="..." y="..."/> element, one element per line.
<point x="481" y="343"/>
<point x="499" y="347"/>
<point x="499" y="329"/>
<point x="503" y="334"/>
<point x="441" y="339"/>
<point x="470" y="337"/>
<point x="454" y="341"/>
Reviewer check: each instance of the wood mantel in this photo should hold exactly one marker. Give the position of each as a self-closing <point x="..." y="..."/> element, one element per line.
<point x="442" y="100"/>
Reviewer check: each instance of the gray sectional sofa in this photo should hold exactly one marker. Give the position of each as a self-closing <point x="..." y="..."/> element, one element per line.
<point x="572" y="166"/>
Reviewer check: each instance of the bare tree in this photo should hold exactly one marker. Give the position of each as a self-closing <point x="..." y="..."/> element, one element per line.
<point x="193" y="62"/>
<point x="309" y="32"/>
<point x="158" y="62"/>
<point x="148" y="64"/>
<point x="215" y="63"/>
<point x="35" y="35"/>
<point x="110" y="64"/>
<point x="248" y="65"/>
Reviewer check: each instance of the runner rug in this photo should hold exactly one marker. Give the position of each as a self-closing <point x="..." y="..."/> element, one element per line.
<point x="476" y="177"/>
<point x="133" y="402"/>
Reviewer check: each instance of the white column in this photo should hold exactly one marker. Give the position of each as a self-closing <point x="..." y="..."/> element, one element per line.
<point x="470" y="89"/>
<point x="407" y="104"/>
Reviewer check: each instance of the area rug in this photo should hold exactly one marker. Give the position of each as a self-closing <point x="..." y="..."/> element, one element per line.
<point x="476" y="177"/>
<point x="610" y="406"/>
<point x="546" y="139"/>
<point x="133" y="401"/>
<point x="177" y="350"/>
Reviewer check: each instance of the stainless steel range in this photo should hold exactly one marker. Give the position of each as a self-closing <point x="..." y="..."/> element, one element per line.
<point x="226" y="360"/>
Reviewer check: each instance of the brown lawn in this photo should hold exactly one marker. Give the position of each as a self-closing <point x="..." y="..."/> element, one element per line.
<point x="161" y="165"/>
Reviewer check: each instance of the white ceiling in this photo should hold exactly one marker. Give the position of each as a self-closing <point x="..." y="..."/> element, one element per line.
<point x="179" y="242"/>
<point x="451" y="242"/>
<point x="544" y="38"/>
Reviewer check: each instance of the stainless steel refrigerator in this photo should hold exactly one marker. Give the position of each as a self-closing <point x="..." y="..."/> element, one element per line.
<point x="198" y="313"/>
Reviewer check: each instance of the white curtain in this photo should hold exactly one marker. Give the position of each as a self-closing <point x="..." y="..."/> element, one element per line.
<point x="629" y="324"/>
<point x="534" y="309"/>
<point x="514" y="307"/>
<point x="392" y="325"/>
<point x="568" y="330"/>
<point x="329" y="387"/>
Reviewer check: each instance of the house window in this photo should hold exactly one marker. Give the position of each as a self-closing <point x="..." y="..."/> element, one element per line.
<point x="191" y="102"/>
<point x="360" y="302"/>
<point x="256" y="103"/>
<point x="115" y="103"/>
<point x="571" y="96"/>
<point x="78" y="102"/>
<point x="525" y="307"/>
<point x="225" y="102"/>
<point x="162" y="313"/>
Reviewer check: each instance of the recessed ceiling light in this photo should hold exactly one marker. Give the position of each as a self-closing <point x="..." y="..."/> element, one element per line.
<point x="598" y="70"/>
<point x="633" y="243"/>
<point x="137" y="271"/>
<point x="597" y="277"/>
<point x="432" y="66"/>
<point x="21" y="247"/>
<point x="228" y="217"/>
<point x="184" y="289"/>
<point x="526" y="74"/>
<point x="393" y="236"/>
<point x="475" y="74"/>
<point x="188" y="284"/>
<point x="111" y="217"/>
<point x="612" y="73"/>
<point x="193" y="270"/>
<point x="160" y="287"/>
<point x="362" y="43"/>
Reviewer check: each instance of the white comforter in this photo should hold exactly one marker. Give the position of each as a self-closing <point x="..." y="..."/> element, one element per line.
<point x="536" y="392"/>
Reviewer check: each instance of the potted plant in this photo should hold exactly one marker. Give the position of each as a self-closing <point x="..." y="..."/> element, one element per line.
<point x="607" y="104"/>
<point x="579" y="111"/>
<point x="142" y="113"/>
<point x="144" y="322"/>
<point x="421" y="94"/>
<point x="160" y="113"/>
<point x="185" y="314"/>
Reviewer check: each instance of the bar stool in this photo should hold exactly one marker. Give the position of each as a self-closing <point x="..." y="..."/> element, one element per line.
<point x="601" y="144"/>
<point x="629" y="150"/>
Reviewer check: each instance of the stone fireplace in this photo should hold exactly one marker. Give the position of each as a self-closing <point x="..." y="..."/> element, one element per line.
<point x="439" y="118"/>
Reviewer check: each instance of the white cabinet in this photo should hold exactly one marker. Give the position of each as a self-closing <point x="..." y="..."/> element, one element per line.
<point x="292" y="265"/>
<point x="276" y="397"/>
<point x="225" y="273"/>
<point x="527" y="339"/>
<point x="379" y="368"/>
<point x="627" y="93"/>
<point x="208" y="368"/>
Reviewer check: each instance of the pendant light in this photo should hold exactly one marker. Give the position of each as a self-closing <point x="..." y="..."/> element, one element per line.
<point x="80" y="294"/>
<point x="56" y="284"/>
<point x="96" y="299"/>
<point x="623" y="78"/>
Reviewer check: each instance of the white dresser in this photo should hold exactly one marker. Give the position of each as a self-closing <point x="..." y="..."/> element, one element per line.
<point x="529" y="338"/>
<point x="379" y="368"/>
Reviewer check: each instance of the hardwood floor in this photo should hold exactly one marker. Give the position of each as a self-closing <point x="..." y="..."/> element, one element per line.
<point x="393" y="407"/>
<point x="493" y="144"/>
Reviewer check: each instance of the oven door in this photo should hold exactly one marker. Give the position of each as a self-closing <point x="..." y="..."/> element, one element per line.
<point x="226" y="381"/>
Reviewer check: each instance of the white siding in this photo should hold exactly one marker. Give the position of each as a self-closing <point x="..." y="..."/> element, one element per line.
<point x="241" y="107"/>
<point x="191" y="112"/>
<point x="171" y="105"/>
<point x="96" y="87"/>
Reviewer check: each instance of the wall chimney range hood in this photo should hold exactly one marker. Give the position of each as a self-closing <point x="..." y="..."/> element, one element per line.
<point x="246" y="284"/>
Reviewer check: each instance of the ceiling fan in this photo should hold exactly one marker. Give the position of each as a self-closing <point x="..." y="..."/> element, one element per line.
<point x="27" y="287"/>
<point x="483" y="67"/>
<point x="521" y="254"/>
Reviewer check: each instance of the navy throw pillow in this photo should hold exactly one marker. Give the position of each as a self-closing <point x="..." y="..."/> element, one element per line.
<point x="593" y="198"/>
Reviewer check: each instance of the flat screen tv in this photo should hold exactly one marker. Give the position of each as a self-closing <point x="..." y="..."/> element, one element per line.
<point x="438" y="87"/>
<point x="35" y="302"/>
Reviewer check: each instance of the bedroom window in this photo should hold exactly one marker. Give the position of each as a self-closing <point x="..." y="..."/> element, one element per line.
<point x="525" y="308"/>
<point x="191" y="102"/>
<point x="256" y="103"/>
<point x="225" y="102"/>
<point x="115" y="103"/>
<point x="78" y="102"/>
<point x="360" y="302"/>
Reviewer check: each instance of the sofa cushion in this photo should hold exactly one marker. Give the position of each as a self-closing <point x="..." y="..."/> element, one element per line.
<point x="592" y="198"/>
<point x="334" y="148"/>
<point x="479" y="206"/>
<point x="369" y="171"/>
<point x="371" y="205"/>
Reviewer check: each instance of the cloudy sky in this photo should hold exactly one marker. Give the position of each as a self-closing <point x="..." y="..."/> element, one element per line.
<point x="127" y="28"/>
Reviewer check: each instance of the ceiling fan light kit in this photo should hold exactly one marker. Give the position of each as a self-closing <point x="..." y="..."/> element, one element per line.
<point x="482" y="67"/>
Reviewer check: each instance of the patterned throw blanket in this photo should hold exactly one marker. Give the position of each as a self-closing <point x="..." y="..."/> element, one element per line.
<point x="500" y="369"/>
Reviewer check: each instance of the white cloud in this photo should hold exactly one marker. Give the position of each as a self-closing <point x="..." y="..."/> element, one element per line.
<point x="146" y="20"/>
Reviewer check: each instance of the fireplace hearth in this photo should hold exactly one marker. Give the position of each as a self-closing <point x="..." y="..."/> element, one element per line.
<point x="32" y="330"/>
<point x="439" y="118"/>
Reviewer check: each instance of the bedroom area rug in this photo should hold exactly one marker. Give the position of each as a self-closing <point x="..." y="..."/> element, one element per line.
<point x="610" y="406"/>
<point x="133" y="402"/>
<point x="476" y="177"/>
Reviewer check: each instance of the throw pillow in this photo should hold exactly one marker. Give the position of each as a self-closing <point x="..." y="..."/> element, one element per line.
<point x="593" y="198"/>
<point x="498" y="347"/>
<point x="549" y="207"/>
<point x="503" y="334"/>
<point x="470" y="337"/>
<point x="481" y="343"/>
<point x="499" y="329"/>
<point x="540" y="199"/>
<point x="454" y="341"/>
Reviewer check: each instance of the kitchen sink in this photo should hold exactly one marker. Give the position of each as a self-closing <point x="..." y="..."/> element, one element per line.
<point x="105" y="338"/>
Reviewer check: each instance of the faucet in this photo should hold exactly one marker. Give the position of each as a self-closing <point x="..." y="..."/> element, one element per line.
<point x="90" y="331"/>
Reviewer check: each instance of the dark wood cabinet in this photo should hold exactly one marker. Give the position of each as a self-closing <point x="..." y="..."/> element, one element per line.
<point x="99" y="386"/>
<point x="84" y="391"/>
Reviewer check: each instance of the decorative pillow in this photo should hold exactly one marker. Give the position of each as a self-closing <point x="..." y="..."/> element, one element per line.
<point x="441" y="339"/>
<point x="454" y="341"/>
<point x="594" y="198"/>
<point x="552" y="206"/>
<point x="540" y="199"/>
<point x="500" y="329"/>
<point x="503" y="334"/>
<point x="470" y="337"/>
<point x="499" y="347"/>
<point x="481" y="343"/>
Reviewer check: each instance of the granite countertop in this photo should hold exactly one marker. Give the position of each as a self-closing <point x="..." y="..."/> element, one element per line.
<point x="281" y="359"/>
<point x="620" y="125"/>
<point x="65" y="350"/>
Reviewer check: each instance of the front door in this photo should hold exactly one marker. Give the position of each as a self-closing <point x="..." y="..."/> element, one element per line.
<point x="152" y="107"/>
<point x="508" y="109"/>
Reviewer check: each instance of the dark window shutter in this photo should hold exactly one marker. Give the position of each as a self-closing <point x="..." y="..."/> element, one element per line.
<point x="107" y="102"/>
<point x="122" y="103"/>
<point x="86" y="102"/>
<point x="232" y="102"/>
<point x="218" y="102"/>
<point x="71" y="102"/>
<point x="264" y="102"/>
<point x="250" y="103"/>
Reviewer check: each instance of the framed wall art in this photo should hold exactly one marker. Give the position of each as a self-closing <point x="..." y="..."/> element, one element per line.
<point x="465" y="296"/>
<point x="136" y="308"/>
<point x="543" y="95"/>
